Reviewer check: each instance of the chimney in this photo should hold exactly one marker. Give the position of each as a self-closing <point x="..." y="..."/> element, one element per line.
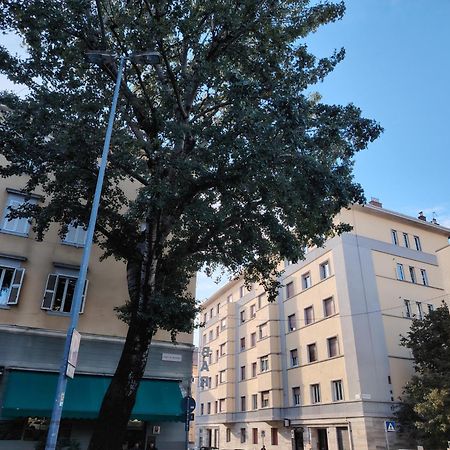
<point x="421" y="216"/>
<point x="375" y="202"/>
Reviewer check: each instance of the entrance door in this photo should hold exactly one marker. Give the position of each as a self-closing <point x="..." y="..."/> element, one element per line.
<point x="343" y="438"/>
<point x="298" y="439"/>
<point x="323" y="438"/>
<point x="209" y="438"/>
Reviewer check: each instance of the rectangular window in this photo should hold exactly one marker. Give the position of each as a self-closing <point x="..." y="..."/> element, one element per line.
<point x="254" y="365"/>
<point x="333" y="346"/>
<point x="255" y="401"/>
<point x="424" y="276"/>
<point x="210" y="382"/>
<point x="230" y="298"/>
<point x="419" y="310"/>
<point x="202" y="409"/>
<point x="10" y="285"/>
<point x="292" y="323"/>
<point x="222" y="349"/>
<point x="315" y="393"/>
<point x="76" y="235"/>
<point x="211" y="313"/>
<point x="243" y="436"/>
<point x="328" y="307"/>
<point x="217" y="331"/>
<point x="253" y="339"/>
<point x="324" y="270"/>
<point x="417" y="243"/>
<point x="217" y="379"/>
<point x="218" y="308"/>
<point x="241" y="291"/>
<point x="18" y="225"/>
<point x="211" y="335"/>
<point x="263" y="330"/>
<point x="228" y="434"/>
<point x="208" y="410"/>
<point x="223" y="324"/>
<point x="294" y="357"/>
<point x="222" y="377"/>
<point x="204" y="339"/>
<point x="337" y="391"/>
<point x="255" y="435"/>
<point x="242" y="316"/>
<point x="312" y="352"/>
<point x="216" y="407"/>
<point x="412" y="274"/>
<point x="242" y="344"/>
<point x="274" y="436"/>
<point x="253" y="311"/>
<point x="309" y="315"/>
<point x="430" y="308"/>
<point x="400" y="272"/>
<point x="290" y="289"/>
<point x="243" y="403"/>
<point x="242" y="373"/>
<point x="407" y="308"/>
<point x="59" y="292"/>
<point x="394" y="237"/>
<point x="221" y="405"/>
<point x="406" y="240"/>
<point x="260" y="301"/>
<point x="264" y="399"/>
<point x="306" y="280"/>
<point x="264" y="363"/>
<point x="217" y="355"/>
<point x="296" y="396"/>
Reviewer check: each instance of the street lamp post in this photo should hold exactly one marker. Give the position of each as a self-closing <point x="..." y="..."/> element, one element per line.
<point x="96" y="57"/>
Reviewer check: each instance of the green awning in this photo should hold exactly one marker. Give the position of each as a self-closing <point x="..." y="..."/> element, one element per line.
<point x="31" y="394"/>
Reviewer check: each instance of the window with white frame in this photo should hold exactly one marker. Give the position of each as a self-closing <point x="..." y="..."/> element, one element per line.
<point x="243" y="403"/>
<point x="253" y="311"/>
<point x="296" y="396"/>
<point x="242" y="316"/>
<point x="309" y="315"/>
<point x="412" y="274"/>
<point x="11" y="280"/>
<point x="424" y="276"/>
<point x="394" y="237"/>
<point x="230" y="298"/>
<point x="406" y="240"/>
<point x="241" y="291"/>
<point x="294" y="357"/>
<point x="325" y="270"/>
<point x="328" y="307"/>
<point x="408" y="312"/>
<point x="419" y="310"/>
<point x="59" y="292"/>
<point x="254" y="365"/>
<point x="292" y="322"/>
<point x="242" y="373"/>
<point x="222" y="349"/>
<point x="417" y="243"/>
<point x="265" y="399"/>
<point x="242" y="344"/>
<point x="223" y="324"/>
<point x="264" y="363"/>
<point x="337" y="390"/>
<point x="222" y="376"/>
<point x="221" y="405"/>
<point x="306" y="280"/>
<point x="76" y="235"/>
<point x="255" y="401"/>
<point x="290" y="289"/>
<point x="315" y="393"/>
<point x="400" y="272"/>
<point x="312" y="352"/>
<point x="263" y="330"/>
<point x="333" y="346"/>
<point x="17" y="225"/>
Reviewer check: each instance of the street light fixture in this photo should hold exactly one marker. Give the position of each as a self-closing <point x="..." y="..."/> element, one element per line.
<point x="96" y="57"/>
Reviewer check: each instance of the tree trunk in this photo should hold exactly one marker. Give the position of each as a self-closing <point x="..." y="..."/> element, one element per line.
<point x="111" y="425"/>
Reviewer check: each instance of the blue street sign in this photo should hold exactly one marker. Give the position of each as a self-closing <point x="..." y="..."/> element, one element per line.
<point x="188" y="404"/>
<point x="390" y="425"/>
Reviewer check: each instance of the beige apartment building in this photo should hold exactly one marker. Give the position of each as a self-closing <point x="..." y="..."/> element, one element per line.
<point x="37" y="280"/>
<point x="321" y="368"/>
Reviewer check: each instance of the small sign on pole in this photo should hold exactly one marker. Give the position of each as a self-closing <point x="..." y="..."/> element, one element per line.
<point x="73" y="354"/>
<point x="390" y="425"/>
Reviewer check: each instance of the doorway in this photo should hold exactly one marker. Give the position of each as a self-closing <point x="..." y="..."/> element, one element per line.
<point x="343" y="438"/>
<point x="322" y="438"/>
<point x="298" y="438"/>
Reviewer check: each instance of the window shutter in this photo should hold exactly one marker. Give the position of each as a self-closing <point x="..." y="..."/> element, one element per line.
<point x="16" y="285"/>
<point x="83" y="298"/>
<point x="49" y="293"/>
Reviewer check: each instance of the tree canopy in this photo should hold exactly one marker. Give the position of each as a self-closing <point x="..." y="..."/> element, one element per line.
<point x="235" y="160"/>
<point x="425" y="411"/>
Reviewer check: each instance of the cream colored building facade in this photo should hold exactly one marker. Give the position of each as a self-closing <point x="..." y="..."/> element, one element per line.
<point x="37" y="281"/>
<point x="321" y="368"/>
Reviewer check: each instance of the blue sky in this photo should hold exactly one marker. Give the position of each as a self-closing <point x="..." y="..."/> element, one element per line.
<point x="397" y="70"/>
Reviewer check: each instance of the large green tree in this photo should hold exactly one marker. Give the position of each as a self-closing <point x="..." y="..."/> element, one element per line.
<point x="235" y="161"/>
<point x="425" y="411"/>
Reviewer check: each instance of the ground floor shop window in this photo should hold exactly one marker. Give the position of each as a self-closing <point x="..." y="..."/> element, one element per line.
<point x="30" y="429"/>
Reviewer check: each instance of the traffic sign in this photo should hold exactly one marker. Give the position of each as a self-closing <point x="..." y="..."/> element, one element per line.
<point x="390" y="425"/>
<point x="188" y="404"/>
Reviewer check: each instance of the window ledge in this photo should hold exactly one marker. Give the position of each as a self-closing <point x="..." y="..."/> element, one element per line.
<point x="58" y="313"/>
<point x="14" y="233"/>
<point x="72" y="244"/>
<point x="5" y="307"/>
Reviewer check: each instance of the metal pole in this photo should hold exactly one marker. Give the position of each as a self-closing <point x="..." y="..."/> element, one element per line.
<point x="386" y="435"/>
<point x="55" y="420"/>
